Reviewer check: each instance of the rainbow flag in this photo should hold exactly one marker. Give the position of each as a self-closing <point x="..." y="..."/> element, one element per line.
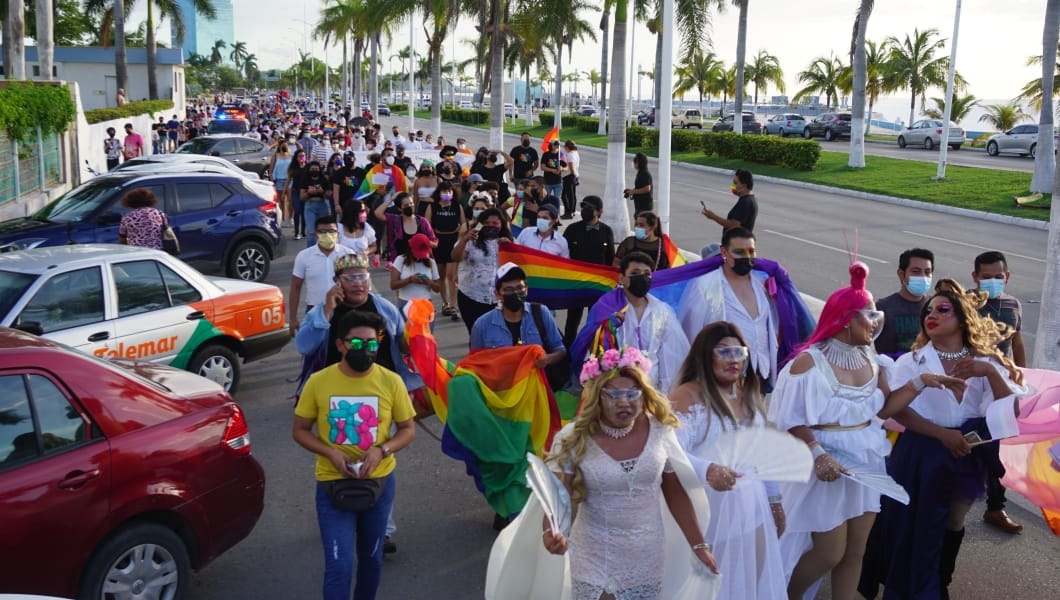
<point x="500" y="408"/>
<point x="673" y="253"/>
<point x="1029" y="468"/>
<point x="549" y="137"/>
<point x="423" y="354"/>
<point x="557" y="282"/>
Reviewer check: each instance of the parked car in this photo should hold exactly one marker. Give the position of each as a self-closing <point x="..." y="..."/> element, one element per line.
<point x="228" y="125"/>
<point x="750" y="123"/>
<point x="119" y="301"/>
<point x="384" y="110"/>
<point x="509" y="110"/>
<point x="121" y="477"/>
<point x="586" y="110"/>
<point x="688" y="118"/>
<point x="466" y="105"/>
<point x="784" y="124"/>
<point x="221" y="222"/>
<point x="928" y="133"/>
<point x="247" y="154"/>
<point x="160" y="161"/>
<point x="1021" y="139"/>
<point x="646" y="117"/>
<point x="830" y="126"/>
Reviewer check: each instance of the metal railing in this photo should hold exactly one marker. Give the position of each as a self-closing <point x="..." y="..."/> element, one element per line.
<point x="26" y="168"/>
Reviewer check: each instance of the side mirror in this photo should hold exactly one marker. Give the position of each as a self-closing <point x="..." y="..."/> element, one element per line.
<point x="215" y="153"/>
<point x="108" y="219"/>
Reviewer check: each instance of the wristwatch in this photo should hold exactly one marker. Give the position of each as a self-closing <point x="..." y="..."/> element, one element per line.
<point x="386" y="451"/>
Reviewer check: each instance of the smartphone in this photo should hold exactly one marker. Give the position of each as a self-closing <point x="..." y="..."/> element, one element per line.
<point x="703" y="205"/>
<point x="973" y="437"/>
<point x="478" y="228"/>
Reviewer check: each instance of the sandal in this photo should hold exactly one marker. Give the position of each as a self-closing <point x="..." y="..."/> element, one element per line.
<point x="447" y="310"/>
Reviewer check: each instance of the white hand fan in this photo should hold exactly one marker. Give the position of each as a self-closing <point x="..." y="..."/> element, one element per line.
<point x="555" y="500"/>
<point x="763" y="454"/>
<point x="862" y="474"/>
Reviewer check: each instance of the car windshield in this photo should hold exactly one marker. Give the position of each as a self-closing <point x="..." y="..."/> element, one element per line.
<point x="197" y="146"/>
<point x="13" y="286"/>
<point x="76" y="205"/>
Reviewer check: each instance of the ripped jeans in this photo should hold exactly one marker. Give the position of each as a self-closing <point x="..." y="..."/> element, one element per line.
<point x="345" y="533"/>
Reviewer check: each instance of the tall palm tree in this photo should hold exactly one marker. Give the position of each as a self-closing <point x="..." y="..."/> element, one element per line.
<point x="562" y="24"/>
<point x="498" y="10"/>
<point x="45" y="37"/>
<point x="691" y="22"/>
<point x="525" y="51"/>
<point x="215" y="52"/>
<point x="238" y="54"/>
<point x="1032" y="90"/>
<point x="14" y="45"/>
<point x="1044" y="160"/>
<point x="823" y="77"/>
<point x="250" y="67"/>
<point x="168" y="9"/>
<point x="740" y="82"/>
<point x="763" y="70"/>
<point x="959" y="109"/>
<point x="615" y="179"/>
<point x="859" y="85"/>
<point x="1047" y="342"/>
<point x="439" y="17"/>
<point x="915" y="61"/>
<point x="594" y="81"/>
<point x="699" y="72"/>
<point x="605" y="28"/>
<point x="1003" y="117"/>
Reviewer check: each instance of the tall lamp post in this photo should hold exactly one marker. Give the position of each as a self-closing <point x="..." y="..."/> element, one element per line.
<point x="944" y="142"/>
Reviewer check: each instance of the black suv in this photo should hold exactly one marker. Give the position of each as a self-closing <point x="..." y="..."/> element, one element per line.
<point x="223" y="223"/>
<point x="646" y="117"/>
<point x="750" y="123"/>
<point x="247" y="154"/>
<point x="830" y="126"/>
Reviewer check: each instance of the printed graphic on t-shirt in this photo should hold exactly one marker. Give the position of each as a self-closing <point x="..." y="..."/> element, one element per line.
<point x="354" y="420"/>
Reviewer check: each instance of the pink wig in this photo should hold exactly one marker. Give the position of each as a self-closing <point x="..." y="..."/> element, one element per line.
<point x="841" y="306"/>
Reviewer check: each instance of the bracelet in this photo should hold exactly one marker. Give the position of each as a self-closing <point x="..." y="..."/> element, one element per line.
<point x="775" y="499"/>
<point x="703" y="546"/>
<point x="818" y="451"/>
<point x="918" y="383"/>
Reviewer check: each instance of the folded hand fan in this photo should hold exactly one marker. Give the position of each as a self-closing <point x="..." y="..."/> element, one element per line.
<point x="555" y="500"/>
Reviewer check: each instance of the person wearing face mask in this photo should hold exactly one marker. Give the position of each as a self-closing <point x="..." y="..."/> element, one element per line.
<point x="314" y="191"/>
<point x="375" y="399"/>
<point x="737" y="294"/>
<point x="641" y="192"/>
<point x="355" y="232"/>
<point x="402" y="160"/>
<point x="742" y="214"/>
<point x="647" y="238"/>
<point x="357" y="143"/>
<point x="525" y="158"/>
<point x="476" y="254"/>
<point x="307" y="143"/>
<point x="423" y="187"/>
<point x="902" y="308"/>
<point x="493" y="165"/>
<point x="296" y="175"/>
<point x="510" y="323"/>
<point x="402" y="224"/>
<point x="589" y="240"/>
<point x="279" y="165"/>
<point x="543" y="235"/>
<point x="447" y="218"/>
<point x="314" y="269"/>
<point x="384" y="178"/>
<point x="345" y="181"/>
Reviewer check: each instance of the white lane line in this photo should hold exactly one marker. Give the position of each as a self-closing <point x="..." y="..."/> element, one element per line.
<point x="812" y="243"/>
<point x="932" y="237"/>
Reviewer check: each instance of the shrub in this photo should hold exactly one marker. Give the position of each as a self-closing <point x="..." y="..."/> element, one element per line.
<point x="129" y="110"/>
<point x="636" y="135"/>
<point x="589" y="124"/>
<point x="25" y="106"/>
<point x="797" y="154"/>
<point x="396" y="108"/>
<point x="547" y="119"/>
<point x="683" y="140"/>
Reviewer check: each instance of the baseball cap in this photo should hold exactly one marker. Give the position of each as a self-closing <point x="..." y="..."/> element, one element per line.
<point x="420" y="245"/>
<point x="509" y="271"/>
<point x="475" y="178"/>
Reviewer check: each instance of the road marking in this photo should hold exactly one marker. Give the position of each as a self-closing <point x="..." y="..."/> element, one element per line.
<point x="812" y="243"/>
<point x="932" y="237"/>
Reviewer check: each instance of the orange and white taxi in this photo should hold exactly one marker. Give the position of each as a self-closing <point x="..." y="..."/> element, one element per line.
<point x="126" y="302"/>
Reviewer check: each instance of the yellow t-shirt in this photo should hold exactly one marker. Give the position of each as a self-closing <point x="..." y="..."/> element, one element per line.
<point x="354" y="413"/>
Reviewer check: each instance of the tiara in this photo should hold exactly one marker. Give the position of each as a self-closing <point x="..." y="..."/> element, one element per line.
<point x="351" y="261"/>
<point x="611" y="361"/>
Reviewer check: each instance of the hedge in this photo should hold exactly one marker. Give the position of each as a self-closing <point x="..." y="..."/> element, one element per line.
<point x="475" y="117"/>
<point x="681" y="140"/>
<point x="131" y="109"/>
<point x="24" y="107"/>
<point x="398" y="107"/>
<point x="796" y="154"/>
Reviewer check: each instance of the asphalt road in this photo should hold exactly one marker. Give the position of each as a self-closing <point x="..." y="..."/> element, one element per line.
<point x="965" y="157"/>
<point x="444" y="534"/>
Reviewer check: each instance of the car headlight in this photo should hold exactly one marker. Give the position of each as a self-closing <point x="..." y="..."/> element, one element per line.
<point x="22" y="244"/>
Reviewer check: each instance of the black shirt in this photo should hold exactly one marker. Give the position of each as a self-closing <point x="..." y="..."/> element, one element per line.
<point x="525" y="159"/>
<point x="745" y="211"/>
<point x="590" y="243"/>
<point x="551" y="160"/>
<point x="652" y="249"/>
<point x="383" y="357"/>
<point x="643" y="179"/>
<point x="495" y="174"/>
<point x="349" y="181"/>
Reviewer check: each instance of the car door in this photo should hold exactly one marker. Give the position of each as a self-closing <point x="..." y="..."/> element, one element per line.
<point x="54" y="482"/>
<point x="155" y="316"/>
<point x="226" y="148"/>
<point x="1021" y="139"/>
<point x="107" y="219"/>
<point x="253" y="155"/>
<point x="915" y="134"/>
<point x="199" y="221"/>
<point x="68" y="307"/>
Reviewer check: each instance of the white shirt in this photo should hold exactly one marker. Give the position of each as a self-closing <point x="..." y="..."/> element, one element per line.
<point x="553" y="243"/>
<point x="317" y="271"/>
<point x="358" y="244"/>
<point x="415" y="290"/>
<point x="574" y="160"/>
<point x="658" y="334"/>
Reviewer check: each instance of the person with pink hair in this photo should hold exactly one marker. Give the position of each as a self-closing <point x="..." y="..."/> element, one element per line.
<point x="830" y="396"/>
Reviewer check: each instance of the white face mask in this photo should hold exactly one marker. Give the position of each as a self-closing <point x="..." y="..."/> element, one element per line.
<point x="389" y="160"/>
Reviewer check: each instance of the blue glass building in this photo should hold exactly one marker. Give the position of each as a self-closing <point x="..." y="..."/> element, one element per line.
<point x="200" y="33"/>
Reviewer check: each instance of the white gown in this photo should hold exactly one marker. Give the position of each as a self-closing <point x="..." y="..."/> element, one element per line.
<point x="744" y="537"/>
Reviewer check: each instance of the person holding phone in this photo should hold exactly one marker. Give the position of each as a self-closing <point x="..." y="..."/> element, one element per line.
<point x="414" y="274"/>
<point x="742" y="214"/>
<point x="477" y="254"/>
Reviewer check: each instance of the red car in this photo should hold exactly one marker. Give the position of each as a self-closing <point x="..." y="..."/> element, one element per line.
<point x="116" y="475"/>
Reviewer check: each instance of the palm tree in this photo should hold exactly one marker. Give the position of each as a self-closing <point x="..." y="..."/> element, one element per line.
<point x="525" y="51"/>
<point x="1032" y="90"/>
<point x="112" y="16"/>
<point x="594" y="81"/>
<point x="13" y="14"/>
<point x="1046" y="355"/>
<point x="725" y="84"/>
<point x="215" y="52"/>
<point x="439" y="16"/>
<point x="692" y="22"/>
<point x="238" y="53"/>
<point x="605" y="28"/>
<point x="913" y="61"/>
<point x="1044" y="176"/>
<point x="823" y="77"/>
<point x="336" y="19"/>
<point x="959" y="109"/>
<point x="763" y="70"/>
<point x="561" y="25"/>
<point x="859" y="85"/>
<point x="45" y="37"/>
<point x="615" y="179"/>
<point x="250" y="67"/>
<point x="740" y="81"/>
<point x="498" y="10"/>
<point x="699" y="72"/>
<point x="1003" y="117"/>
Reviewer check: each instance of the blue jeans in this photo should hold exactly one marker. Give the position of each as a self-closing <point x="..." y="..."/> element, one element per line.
<point x="314" y="209"/>
<point x="555" y="189"/>
<point x="298" y="207"/>
<point x="339" y="531"/>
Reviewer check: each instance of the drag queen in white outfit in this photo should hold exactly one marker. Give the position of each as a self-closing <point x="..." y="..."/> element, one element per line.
<point x="714" y="395"/>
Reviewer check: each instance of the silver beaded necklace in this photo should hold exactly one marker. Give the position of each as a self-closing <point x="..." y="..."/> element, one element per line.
<point x="958" y="355"/>
<point x="616" y="433"/>
<point x="843" y="355"/>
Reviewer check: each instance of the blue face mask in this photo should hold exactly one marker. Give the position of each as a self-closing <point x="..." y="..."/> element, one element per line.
<point x="640" y="233"/>
<point x="543" y="225"/>
<point x="918" y="285"/>
<point x="993" y="287"/>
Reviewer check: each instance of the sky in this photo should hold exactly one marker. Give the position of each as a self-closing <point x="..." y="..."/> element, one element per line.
<point x="995" y="38"/>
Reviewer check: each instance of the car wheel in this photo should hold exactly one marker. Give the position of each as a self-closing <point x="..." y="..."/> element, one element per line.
<point x="991" y="148"/>
<point x="955" y="146"/>
<point x="806" y="133"/>
<point x="249" y="261"/>
<point x="901" y="142"/>
<point x="218" y="364"/>
<point x="929" y="144"/>
<point x="1034" y="150"/>
<point x="828" y="135"/>
<point x="143" y="561"/>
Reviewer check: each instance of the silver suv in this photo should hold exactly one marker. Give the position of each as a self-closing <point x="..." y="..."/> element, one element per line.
<point x="1021" y="139"/>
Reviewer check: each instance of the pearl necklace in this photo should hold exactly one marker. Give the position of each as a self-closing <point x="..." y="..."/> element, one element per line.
<point x="953" y="355"/>
<point x="616" y="433"/>
<point x="844" y="356"/>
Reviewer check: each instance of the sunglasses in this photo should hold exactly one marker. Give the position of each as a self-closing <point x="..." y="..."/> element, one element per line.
<point x="360" y="344"/>
<point x="355" y="277"/>
<point x="731" y="353"/>
<point x="870" y="314"/>
<point x="942" y="309"/>
<point x="626" y="394"/>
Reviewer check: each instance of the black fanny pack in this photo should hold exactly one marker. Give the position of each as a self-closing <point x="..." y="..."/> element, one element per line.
<point x="354" y="495"/>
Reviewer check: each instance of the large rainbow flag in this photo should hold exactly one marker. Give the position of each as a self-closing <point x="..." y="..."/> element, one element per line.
<point x="560" y="283"/>
<point x="1029" y="469"/>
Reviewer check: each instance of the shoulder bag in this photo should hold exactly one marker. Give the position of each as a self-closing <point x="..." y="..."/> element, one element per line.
<point x="170" y="243"/>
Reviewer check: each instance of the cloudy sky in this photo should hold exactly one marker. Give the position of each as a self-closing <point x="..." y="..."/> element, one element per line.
<point x="994" y="42"/>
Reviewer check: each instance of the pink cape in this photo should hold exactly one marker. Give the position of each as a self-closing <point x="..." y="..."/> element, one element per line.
<point x="1029" y="468"/>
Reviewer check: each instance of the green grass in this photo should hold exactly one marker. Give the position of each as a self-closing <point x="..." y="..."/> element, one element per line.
<point x="988" y="190"/>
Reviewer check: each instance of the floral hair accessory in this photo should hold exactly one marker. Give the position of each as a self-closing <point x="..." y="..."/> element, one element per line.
<point x="611" y="361"/>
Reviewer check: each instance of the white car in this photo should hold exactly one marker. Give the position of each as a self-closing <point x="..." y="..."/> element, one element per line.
<point x="466" y="105"/>
<point x="118" y="301"/>
<point x="1021" y="139"/>
<point x="928" y="133"/>
<point x="509" y="110"/>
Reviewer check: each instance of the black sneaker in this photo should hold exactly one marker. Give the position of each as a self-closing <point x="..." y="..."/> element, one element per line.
<point x="389" y="547"/>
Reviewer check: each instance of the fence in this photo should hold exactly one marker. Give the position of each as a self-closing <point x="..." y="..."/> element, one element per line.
<point x="26" y="168"/>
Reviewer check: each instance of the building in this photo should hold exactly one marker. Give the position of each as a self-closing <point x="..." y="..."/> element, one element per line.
<point x="200" y="34"/>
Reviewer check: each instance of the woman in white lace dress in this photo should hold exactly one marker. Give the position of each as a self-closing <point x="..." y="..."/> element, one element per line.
<point x="714" y="395"/>
<point x="615" y="461"/>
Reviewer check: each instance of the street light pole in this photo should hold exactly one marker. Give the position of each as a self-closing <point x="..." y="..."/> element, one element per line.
<point x="944" y="142"/>
<point x="412" y="74"/>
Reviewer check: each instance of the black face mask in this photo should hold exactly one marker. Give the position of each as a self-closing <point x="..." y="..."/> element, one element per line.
<point x="588" y="214"/>
<point x="743" y="266"/>
<point x="639" y="285"/>
<point x="514" y="301"/>
<point x="526" y="143"/>
<point x="360" y="360"/>
<point x="489" y="233"/>
<point x="407" y="211"/>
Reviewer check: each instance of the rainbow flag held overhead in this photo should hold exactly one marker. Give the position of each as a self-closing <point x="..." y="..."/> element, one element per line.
<point x="560" y="283"/>
<point x="500" y="408"/>
<point x="552" y="135"/>
<point x="673" y="253"/>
